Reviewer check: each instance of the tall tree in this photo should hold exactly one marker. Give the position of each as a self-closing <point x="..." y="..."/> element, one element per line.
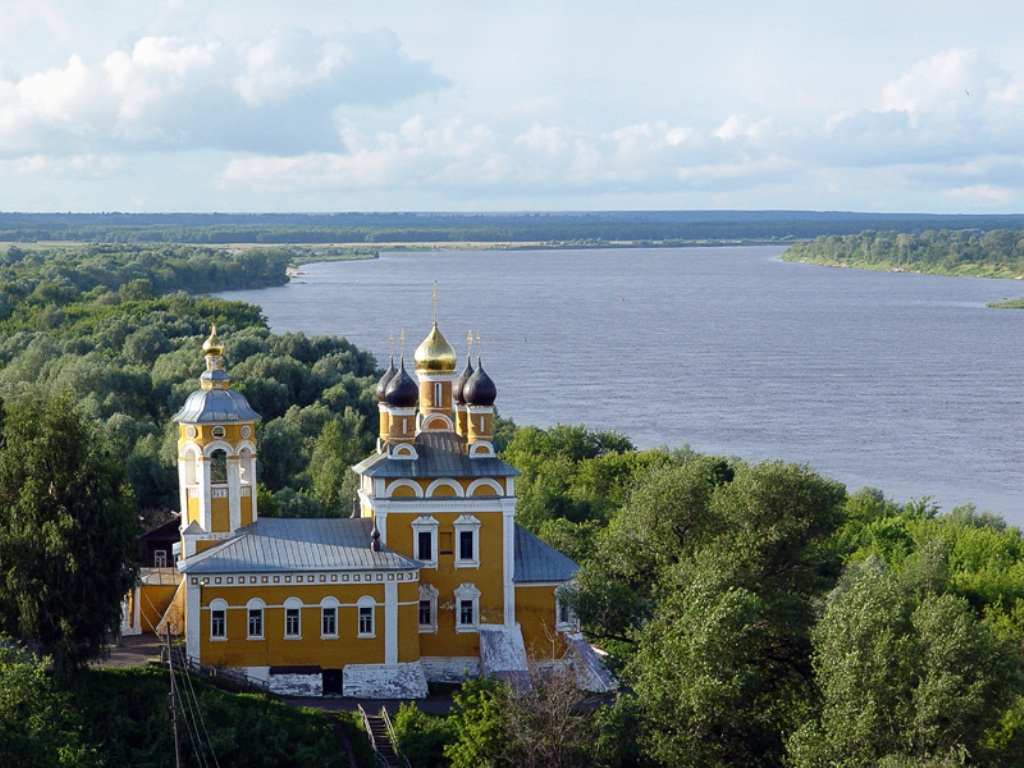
<point x="908" y="674"/>
<point x="67" y="533"/>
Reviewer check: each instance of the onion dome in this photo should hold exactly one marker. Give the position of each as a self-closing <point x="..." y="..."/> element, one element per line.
<point x="401" y="391"/>
<point x="479" y="388"/>
<point x="215" y="402"/>
<point x="435" y="354"/>
<point x="382" y="385"/>
<point x="461" y="382"/>
<point x="212" y="346"/>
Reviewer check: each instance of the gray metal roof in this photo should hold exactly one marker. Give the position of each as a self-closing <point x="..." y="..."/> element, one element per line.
<point x="215" y="406"/>
<point x="440" y="454"/>
<point x="537" y="561"/>
<point x="298" y="544"/>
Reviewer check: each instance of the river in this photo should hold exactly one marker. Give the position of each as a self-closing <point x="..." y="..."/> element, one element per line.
<point x="899" y="381"/>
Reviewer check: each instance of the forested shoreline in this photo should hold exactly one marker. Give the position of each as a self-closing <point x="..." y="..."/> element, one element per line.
<point x="755" y="614"/>
<point x="968" y="252"/>
<point x="596" y="228"/>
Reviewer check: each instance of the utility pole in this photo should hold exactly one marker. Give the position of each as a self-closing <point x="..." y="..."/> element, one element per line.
<point x="174" y="697"/>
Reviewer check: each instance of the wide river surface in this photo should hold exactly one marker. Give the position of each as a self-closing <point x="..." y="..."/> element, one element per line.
<point x="898" y="381"/>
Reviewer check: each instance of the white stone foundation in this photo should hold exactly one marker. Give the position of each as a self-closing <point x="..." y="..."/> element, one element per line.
<point x="296" y="683"/>
<point x="384" y="681"/>
<point x="447" y="669"/>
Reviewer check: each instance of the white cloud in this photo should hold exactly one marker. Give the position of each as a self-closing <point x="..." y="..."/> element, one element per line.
<point x="275" y="95"/>
<point x="981" y="196"/>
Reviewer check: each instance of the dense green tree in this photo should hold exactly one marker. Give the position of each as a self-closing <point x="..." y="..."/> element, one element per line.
<point x="908" y="674"/>
<point x="708" y="578"/>
<point x="39" y="726"/>
<point x="67" y="533"/>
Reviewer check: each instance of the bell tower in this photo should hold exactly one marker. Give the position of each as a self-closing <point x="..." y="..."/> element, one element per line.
<point x="216" y="457"/>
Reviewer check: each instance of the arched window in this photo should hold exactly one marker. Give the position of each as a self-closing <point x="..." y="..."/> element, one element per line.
<point x="219" y="467"/>
<point x="293" y="618"/>
<point x="244" y="466"/>
<point x="428" y="608"/>
<point x="467" y="608"/>
<point x="190" y="466"/>
<point x="329" y="618"/>
<point x="218" y="619"/>
<point x="254" y="613"/>
<point x="366" y="607"/>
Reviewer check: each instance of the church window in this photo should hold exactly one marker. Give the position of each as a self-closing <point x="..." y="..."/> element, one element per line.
<point x="293" y="617"/>
<point x="467" y="608"/>
<point x="425" y="540"/>
<point x="428" y="608"/>
<point x="291" y="622"/>
<point x="437" y="394"/>
<point x="219" y="467"/>
<point x="218" y="628"/>
<point x="254" y="611"/>
<point x="218" y="620"/>
<point x="255" y="623"/>
<point x="467" y="531"/>
<point x="329" y="623"/>
<point x="328" y="617"/>
<point x="366" y="623"/>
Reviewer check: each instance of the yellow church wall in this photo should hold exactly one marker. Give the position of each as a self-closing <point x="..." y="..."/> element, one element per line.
<point x="246" y="510"/>
<point x="274" y="649"/>
<point x="408" y="622"/>
<point x="193" y="509"/>
<point x="535" y="612"/>
<point x="446" y="578"/>
<point x="153" y="602"/>
<point x="220" y="516"/>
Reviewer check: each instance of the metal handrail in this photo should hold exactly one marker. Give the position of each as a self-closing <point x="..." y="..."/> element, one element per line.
<point x="391" y="735"/>
<point x="381" y="760"/>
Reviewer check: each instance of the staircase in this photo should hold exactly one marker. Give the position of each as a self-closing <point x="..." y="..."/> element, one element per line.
<point x="378" y="728"/>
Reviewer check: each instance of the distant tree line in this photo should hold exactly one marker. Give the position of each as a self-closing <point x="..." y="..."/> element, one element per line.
<point x="646" y="227"/>
<point x="992" y="253"/>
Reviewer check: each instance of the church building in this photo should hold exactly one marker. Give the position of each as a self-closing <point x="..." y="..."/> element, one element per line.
<point x="433" y="581"/>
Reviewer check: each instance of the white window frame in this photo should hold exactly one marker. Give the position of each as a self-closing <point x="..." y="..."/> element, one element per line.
<point x="328" y="606"/>
<point x="425" y="524"/>
<point x="467" y="593"/>
<point x="428" y="594"/>
<point x="363" y="605"/>
<point x="219" y="606"/>
<point x="159" y="558"/>
<point x="252" y="607"/>
<point x="293" y="607"/>
<point x="471" y="525"/>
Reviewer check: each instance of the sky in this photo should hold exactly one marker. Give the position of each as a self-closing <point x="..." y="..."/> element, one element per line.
<point x="531" y="105"/>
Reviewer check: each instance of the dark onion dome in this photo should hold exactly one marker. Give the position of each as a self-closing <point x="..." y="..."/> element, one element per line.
<point x="461" y="382"/>
<point x="479" y="388"/>
<point x="382" y="385"/>
<point x="435" y="354"/>
<point x="402" y="391"/>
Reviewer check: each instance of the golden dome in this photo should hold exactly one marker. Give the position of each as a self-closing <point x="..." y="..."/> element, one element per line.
<point x="212" y="346"/>
<point x="435" y="354"/>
